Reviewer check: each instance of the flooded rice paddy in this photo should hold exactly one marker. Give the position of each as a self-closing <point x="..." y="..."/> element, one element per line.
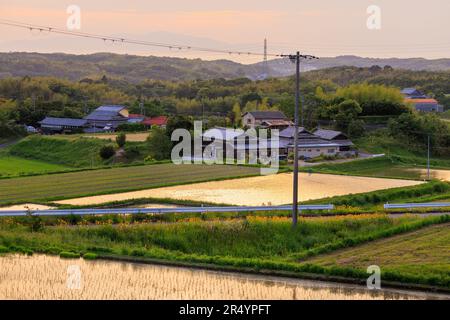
<point x="255" y="191"/>
<point x="48" y="277"/>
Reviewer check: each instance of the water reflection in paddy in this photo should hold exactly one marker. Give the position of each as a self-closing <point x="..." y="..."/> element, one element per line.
<point x="47" y="277"/>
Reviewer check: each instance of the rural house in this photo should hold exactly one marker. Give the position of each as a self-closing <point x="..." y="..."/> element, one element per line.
<point x="425" y="105"/>
<point x="413" y="93"/>
<point x="107" y="118"/>
<point x="52" y="125"/>
<point x="338" y="137"/>
<point x="268" y="119"/>
<point x="309" y="145"/>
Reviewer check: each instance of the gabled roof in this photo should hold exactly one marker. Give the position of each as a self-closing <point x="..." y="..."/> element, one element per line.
<point x="63" y="122"/>
<point x="111" y="108"/>
<point x="262" y="115"/>
<point x="328" y="134"/>
<point x="106" y="113"/>
<point x="409" y="90"/>
<point x="289" y="132"/>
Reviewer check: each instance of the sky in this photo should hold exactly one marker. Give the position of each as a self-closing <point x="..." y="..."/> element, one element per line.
<point x="407" y="28"/>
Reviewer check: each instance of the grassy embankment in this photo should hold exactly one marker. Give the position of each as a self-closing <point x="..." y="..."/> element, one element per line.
<point x="268" y="245"/>
<point x="37" y="154"/>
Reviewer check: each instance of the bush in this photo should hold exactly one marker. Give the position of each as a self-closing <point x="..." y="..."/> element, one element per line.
<point x="69" y="255"/>
<point x="107" y="152"/>
<point x="159" y="144"/>
<point x="90" y="256"/>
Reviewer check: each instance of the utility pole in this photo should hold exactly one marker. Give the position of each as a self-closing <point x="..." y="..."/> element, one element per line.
<point x="296" y="59"/>
<point x="265" y="64"/>
<point x="428" y="159"/>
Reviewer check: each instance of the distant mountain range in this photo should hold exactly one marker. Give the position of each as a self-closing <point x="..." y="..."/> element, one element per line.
<point x="137" y="68"/>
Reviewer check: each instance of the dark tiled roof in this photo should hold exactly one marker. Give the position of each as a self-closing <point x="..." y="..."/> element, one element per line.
<point x="261" y="115"/>
<point x="63" y="122"/>
<point x="328" y="134"/>
<point x="289" y="132"/>
<point x="111" y="108"/>
<point x="106" y="113"/>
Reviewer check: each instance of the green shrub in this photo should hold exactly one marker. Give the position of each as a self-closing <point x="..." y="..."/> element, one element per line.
<point x="69" y="255"/>
<point x="107" y="152"/>
<point x="4" y="249"/>
<point x="90" y="256"/>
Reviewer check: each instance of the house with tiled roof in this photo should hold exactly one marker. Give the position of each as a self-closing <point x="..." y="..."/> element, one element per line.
<point x="413" y="93"/>
<point x="337" y="137"/>
<point x="425" y="105"/>
<point x="51" y="125"/>
<point x="108" y="116"/>
<point x="268" y="119"/>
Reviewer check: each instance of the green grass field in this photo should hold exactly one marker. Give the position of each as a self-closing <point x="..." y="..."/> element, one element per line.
<point x="421" y="253"/>
<point x="11" y="166"/>
<point x="83" y="183"/>
<point x="374" y="167"/>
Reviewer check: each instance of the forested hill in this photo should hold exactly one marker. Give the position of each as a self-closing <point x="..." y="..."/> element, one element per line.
<point x="138" y="68"/>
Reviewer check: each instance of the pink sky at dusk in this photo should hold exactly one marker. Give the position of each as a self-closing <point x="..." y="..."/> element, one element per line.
<point x="326" y="28"/>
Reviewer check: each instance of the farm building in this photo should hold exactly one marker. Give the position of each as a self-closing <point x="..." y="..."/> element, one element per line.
<point x="309" y="144"/>
<point x="425" y="105"/>
<point x="269" y="119"/>
<point x="107" y="117"/>
<point x="59" y="125"/>
<point x="413" y="93"/>
<point x="328" y="142"/>
<point x="338" y="137"/>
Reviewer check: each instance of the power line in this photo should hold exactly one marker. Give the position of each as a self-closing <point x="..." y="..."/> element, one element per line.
<point x="105" y="38"/>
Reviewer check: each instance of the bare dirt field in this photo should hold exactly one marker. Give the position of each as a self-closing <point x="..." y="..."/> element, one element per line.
<point x="26" y="206"/>
<point x="261" y="190"/>
<point x="134" y="137"/>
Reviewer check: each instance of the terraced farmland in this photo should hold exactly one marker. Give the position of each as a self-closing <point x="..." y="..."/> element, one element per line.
<point x="74" y="184"/>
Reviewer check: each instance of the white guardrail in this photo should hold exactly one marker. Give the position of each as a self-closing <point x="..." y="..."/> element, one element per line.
<point x="416" y="205"/>
<point x="82" y="212"/>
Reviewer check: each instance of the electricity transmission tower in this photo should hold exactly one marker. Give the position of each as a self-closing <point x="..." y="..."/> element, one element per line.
<point x="296" y="58"/>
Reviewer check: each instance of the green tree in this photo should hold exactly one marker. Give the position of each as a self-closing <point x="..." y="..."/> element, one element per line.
<point x="237" y="114"/>
<point x="121" y="139"/>
<point x="347" y="112"/>
<point x="159" y="144"/>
